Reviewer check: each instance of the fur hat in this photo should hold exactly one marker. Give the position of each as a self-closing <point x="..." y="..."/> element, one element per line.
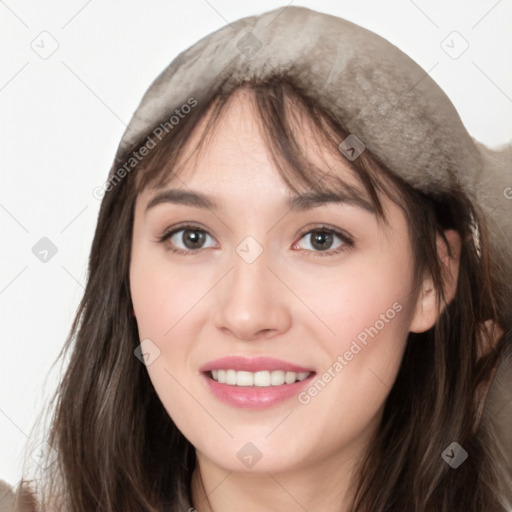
<point x="380" y="95"/>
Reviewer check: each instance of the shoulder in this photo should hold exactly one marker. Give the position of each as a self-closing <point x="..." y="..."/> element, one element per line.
<point x="9" y="502"/>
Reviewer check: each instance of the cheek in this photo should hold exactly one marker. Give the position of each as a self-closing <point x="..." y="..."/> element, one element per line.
<point x="161" y="300"/>
<point x="366" y="297"/>
<point x="160" y="297"/>
<point x="368" y="310"/>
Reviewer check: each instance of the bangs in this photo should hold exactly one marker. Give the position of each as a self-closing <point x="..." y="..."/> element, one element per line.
<point x="289" y="122"/>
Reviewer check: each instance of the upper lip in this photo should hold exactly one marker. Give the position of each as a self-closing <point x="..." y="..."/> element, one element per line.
<point x="252" y="364"/>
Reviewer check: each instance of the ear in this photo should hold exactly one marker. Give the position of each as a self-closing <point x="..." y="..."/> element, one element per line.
<point x="427" y="311"/>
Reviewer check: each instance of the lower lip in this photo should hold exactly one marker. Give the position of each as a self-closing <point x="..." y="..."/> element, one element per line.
<point x="253" y="397"/>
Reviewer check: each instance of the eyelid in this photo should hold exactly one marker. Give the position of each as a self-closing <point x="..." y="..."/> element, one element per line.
<point x="174" y="229"/>
<point x="348" y="241"/>
<point x="169" y="233"/>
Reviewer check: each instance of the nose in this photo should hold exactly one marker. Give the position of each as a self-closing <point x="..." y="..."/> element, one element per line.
<point x="252" y="301"/>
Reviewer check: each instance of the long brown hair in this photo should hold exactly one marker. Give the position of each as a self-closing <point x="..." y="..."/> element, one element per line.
<point x="119" y="450"/>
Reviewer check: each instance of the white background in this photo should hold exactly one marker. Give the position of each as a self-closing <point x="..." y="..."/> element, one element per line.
<point x="62" y="118"/>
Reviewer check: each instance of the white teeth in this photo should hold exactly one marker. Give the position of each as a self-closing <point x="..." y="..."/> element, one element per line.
<point x="277" y="378"/>
<point x="231" y="377"/>
<point x="259" y="379"/>
<point x="262" y="379"/>
<point x="290" y="377"/>
<point x="244" y="378"/>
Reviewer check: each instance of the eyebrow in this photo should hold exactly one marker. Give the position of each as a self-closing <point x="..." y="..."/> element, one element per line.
<point x="298" y="203"/>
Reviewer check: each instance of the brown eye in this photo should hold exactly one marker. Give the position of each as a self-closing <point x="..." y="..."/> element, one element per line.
<point x="321" y="240"/>
<point x="325" y="241"/>
<point x="192" y="238"/>
<point x="186" y="239"/>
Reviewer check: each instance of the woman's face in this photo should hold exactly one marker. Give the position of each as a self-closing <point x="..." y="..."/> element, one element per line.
<point x="263" y="285"/>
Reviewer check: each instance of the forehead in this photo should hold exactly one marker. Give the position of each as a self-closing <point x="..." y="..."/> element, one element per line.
<point x="233" y="153"/>
<point x="235" y="168"/>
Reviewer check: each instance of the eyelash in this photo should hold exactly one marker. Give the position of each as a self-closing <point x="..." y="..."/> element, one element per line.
<point x="348" y="243"/>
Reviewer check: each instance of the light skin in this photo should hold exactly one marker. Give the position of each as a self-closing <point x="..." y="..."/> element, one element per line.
<point x="290" y="303"/>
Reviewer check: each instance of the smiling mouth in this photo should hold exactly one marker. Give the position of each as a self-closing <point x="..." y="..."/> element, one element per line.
<point x="264" y="378"/>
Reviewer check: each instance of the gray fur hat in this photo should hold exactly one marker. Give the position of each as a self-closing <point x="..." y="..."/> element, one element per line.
<point x="380" y="95"/>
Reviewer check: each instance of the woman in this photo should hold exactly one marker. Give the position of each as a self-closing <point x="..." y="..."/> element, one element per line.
<point x="297" y="297"/>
